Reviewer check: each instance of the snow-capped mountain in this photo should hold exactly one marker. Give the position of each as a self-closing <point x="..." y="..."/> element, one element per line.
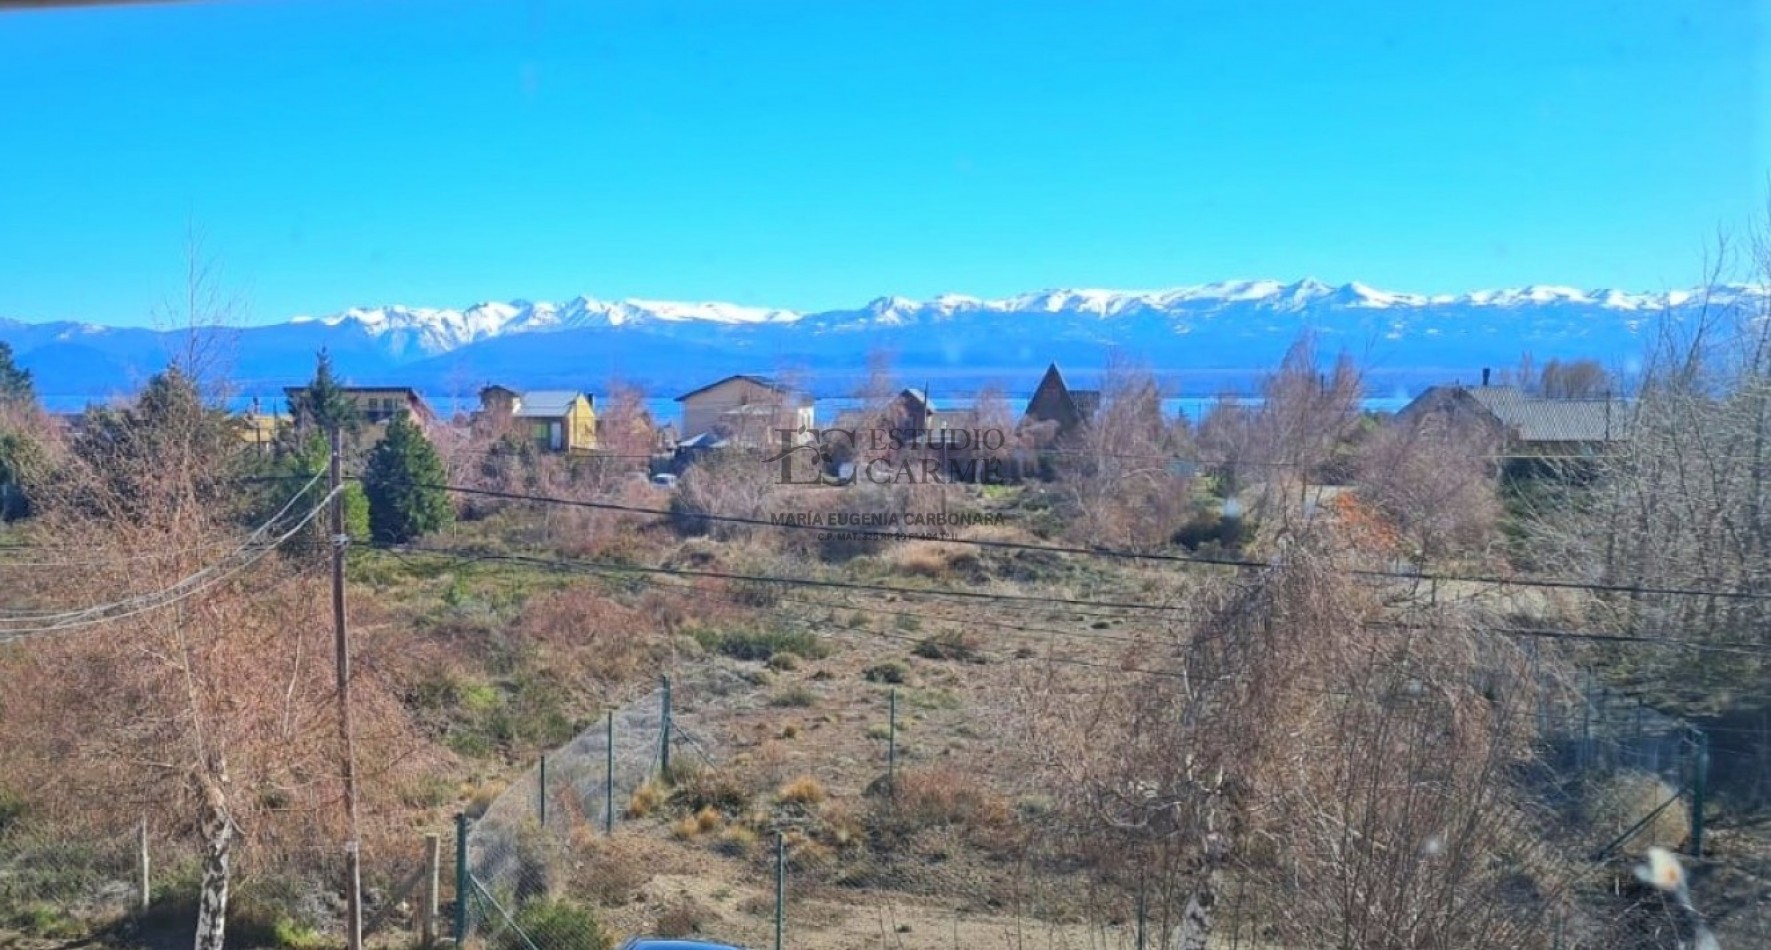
<point x="1209" y="336"/>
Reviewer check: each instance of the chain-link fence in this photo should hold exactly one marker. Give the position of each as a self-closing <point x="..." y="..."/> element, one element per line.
<point x="518" y="854"/>
<point x="1633" y="775"/>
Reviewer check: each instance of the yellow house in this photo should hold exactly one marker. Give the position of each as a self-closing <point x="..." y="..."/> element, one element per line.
<point x="260" y="429"/>
<point x="558" y="420"/>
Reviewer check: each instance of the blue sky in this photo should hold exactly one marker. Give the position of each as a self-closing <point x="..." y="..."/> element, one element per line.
<point x="816" y="154"/>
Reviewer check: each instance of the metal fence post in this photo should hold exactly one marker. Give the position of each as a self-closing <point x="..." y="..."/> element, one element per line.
<point x="892" y="747"/>
<point x="1143" y="914"/>
<point x="1699" y="788"/>
<point x="780" y="888"/>
<point x="609" y="778"/>
<point x="542" y="780"/>
<point x="462" y="887"/>
<point x="664" y="734"/>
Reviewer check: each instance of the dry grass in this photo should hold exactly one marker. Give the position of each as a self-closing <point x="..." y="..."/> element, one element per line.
<point x="929" y="797"/>
<point x="933" y="559"/>
<point x="685" y="828"/>
<point x="708" y="819"/>
<point x="645" y="800"/>
<point x="804" y="790"/>
<point x="736" y="841"/>
<point x="1619" y="803"/>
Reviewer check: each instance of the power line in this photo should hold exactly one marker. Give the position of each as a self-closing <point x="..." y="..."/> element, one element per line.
<point x="253" y="550"/>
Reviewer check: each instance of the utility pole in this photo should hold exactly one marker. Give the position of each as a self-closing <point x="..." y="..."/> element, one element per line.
<point x="353" y="927"/>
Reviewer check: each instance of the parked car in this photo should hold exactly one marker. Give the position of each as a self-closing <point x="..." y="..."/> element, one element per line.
<point x="664" y="480"/>
<point x="661" y="943"/>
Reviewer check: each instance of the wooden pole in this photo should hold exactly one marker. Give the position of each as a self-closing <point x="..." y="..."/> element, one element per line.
<point x="353" y="926"/>
<point x="141" y="841"/>
<point x="609" y="777"/>
<point x="427" y="907"/>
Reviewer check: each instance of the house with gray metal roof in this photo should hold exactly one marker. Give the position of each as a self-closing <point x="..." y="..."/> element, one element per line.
<point x="1526" y="424"/>
<point x="558" y="420"/>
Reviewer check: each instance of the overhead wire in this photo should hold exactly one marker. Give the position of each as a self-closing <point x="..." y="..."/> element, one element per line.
<point x="254" y="548"/>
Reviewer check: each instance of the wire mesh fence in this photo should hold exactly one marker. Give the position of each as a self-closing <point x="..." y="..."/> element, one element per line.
<point x="1635" y="776"/>
<point x="519" y="854"/>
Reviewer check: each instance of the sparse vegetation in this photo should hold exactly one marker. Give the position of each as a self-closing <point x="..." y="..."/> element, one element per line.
<point x="950" y="645"/>
<point x="890" y="673"/>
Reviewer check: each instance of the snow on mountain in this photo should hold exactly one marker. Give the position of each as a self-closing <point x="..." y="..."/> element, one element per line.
<point x="431" y="331"/>
<point x="1225" y="324"/>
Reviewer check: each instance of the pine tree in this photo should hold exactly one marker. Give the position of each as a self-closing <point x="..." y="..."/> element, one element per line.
<point x="324" y="405"/>
<point x="15" y="383"/>
<point x="293" y="480"/>
<point x="400" y="480"/>
<point x="21" y="459"/>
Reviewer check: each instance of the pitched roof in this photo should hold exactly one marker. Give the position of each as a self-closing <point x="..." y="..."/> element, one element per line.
<point x="1086" y="400"/>
<point x="1535" y="419"/>
<point x="1054" y="400"/>
<point x="921" y="398"/>
<point x="762" y="381"/>
<point x="1530" y="418"/>
<point x="546" y="403"/>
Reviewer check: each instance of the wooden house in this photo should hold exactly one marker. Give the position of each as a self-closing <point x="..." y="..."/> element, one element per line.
<point x="746" y="411"/>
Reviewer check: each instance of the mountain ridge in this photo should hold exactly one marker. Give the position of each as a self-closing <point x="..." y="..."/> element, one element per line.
<point x="1222" y="327"/>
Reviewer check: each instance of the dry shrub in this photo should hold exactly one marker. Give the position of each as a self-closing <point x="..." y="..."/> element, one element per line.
<point x="1430" y="478"/>
<point x="768" y="767"/>
<point x="709" y="819"/>
<point x="646" y="800"/>
<point x="684" y="918"/>
<point x="590" y="632"/>
<point x="961" y="645"/>
<point x="736" y="841"/>
<point x="612" y="871"/>
<point x="685" y="828"/>
<point x="731" y="484"/>
<point x="927" y="558"/>
<point x="805" y="854"/>
<point x="841" y="825"/>
<point x="1621" y="801"/>
<point x="720" y="791"/>
<point x="483" y="795"/>
<point x="945" y="796"/>
<point x="804" y="790"/>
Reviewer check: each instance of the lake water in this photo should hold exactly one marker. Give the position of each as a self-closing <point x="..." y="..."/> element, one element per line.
<point x="669" y="410"/>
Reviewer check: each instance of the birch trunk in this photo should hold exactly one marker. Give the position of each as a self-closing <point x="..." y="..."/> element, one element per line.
<point x="218" y="843"/>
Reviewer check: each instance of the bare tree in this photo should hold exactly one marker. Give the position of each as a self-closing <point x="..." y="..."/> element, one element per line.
<point x="1120" y="476"/>
<point x="1361" y="775"/>
<point x="1436" y="481"/>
